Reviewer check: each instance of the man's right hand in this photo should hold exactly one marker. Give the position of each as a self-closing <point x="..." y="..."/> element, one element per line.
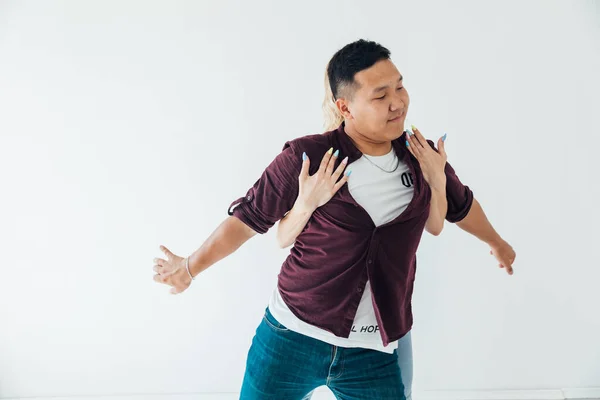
<point x="318" y="189"/>
<point x="172" y="271"/>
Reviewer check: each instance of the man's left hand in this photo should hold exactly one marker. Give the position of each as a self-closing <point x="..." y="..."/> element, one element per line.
<point x="432" y="162"/>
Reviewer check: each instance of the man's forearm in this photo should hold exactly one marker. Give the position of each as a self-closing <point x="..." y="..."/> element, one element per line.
<point x="477" y="224"/>
<point x="292" y="224"/>
<point x="437" y="211"/>
<point x="226" y="239"/>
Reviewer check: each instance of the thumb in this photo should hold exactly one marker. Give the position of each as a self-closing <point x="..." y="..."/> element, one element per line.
<point x="305" y="166"/>
<point x="167" y="252"/>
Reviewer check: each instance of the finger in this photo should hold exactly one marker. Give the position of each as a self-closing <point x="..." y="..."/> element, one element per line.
<point x="162" y="270"/>
<point x="305" y="166"/>
<point x="325" y="161"/>
<point x="167" y="252"/>
<point x="160" y="279"/>
<point x="442" y="147"/>
<point x="419" y="139"/>
<point x="342" y="181"/>
<point x="161" y="262"/>
<point x="339" y="170"/>
<point x="414" y="147"/>
<point x="508" y="266"/>
<point x="331" y="163"/>
<point x="174" y="290"/>
<point x="409" y="147"/>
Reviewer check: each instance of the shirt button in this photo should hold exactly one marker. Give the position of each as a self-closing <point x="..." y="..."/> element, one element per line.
<point x="370" y="261"/>
<point x="359" y="290"/>
<point x="249" y="197"/>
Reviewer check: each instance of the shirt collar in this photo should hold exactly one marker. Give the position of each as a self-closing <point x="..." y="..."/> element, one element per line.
<point x="349" y="149"/>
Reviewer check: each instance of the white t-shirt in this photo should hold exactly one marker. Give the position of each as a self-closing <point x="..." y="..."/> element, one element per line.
<point x="384" y="195"/>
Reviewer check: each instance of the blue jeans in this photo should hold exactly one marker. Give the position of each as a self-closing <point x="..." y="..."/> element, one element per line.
<point x="285" y="365"/>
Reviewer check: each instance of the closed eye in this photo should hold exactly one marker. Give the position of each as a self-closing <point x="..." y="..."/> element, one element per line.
<point x="383" y="97"/>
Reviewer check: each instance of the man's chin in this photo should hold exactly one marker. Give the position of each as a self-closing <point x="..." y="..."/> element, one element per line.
<point x="394" y="132"/>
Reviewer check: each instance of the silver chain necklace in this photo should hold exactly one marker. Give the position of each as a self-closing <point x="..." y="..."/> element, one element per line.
<point x="384" y="170"/>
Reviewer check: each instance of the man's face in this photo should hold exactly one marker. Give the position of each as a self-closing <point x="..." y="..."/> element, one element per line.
<point x="377" y="109"/>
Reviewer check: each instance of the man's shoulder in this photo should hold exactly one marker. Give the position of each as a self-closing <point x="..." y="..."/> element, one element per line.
<point x="311" y="142"/>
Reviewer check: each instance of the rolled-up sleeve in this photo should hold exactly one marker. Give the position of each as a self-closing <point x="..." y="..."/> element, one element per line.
<point x="458" y="195"/>
<point x="273" y="194"/>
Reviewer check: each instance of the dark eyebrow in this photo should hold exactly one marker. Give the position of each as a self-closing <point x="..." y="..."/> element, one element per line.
<point x="386" y="86"/>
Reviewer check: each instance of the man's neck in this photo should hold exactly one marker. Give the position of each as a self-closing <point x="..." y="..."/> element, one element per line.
<point x="366" y="145"/>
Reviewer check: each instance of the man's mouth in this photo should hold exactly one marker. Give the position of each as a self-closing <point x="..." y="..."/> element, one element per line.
<point x="397" y="118"/>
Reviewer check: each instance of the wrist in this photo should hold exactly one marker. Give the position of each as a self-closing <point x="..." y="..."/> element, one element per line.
<point x="192" y="265"/>
<point x="187" y="268"/>
<point x="303" y="207"/>
<point x="438" y="188"/>
<point x="437" y="181"/>
<point x="496" y="241"/>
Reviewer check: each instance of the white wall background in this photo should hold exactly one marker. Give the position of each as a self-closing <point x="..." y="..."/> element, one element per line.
<point x="126" y="125"/>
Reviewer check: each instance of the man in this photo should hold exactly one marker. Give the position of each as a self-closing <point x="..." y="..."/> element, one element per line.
<point x="354" y="253"/>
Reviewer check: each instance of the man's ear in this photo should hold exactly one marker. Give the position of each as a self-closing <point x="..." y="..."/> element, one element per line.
<point x="342" y="106"/>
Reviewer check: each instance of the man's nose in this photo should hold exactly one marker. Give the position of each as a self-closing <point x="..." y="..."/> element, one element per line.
<point x="397" y="103"/>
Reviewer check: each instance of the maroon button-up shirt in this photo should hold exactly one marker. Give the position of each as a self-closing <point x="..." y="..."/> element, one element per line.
<point x="340" y="248"/>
